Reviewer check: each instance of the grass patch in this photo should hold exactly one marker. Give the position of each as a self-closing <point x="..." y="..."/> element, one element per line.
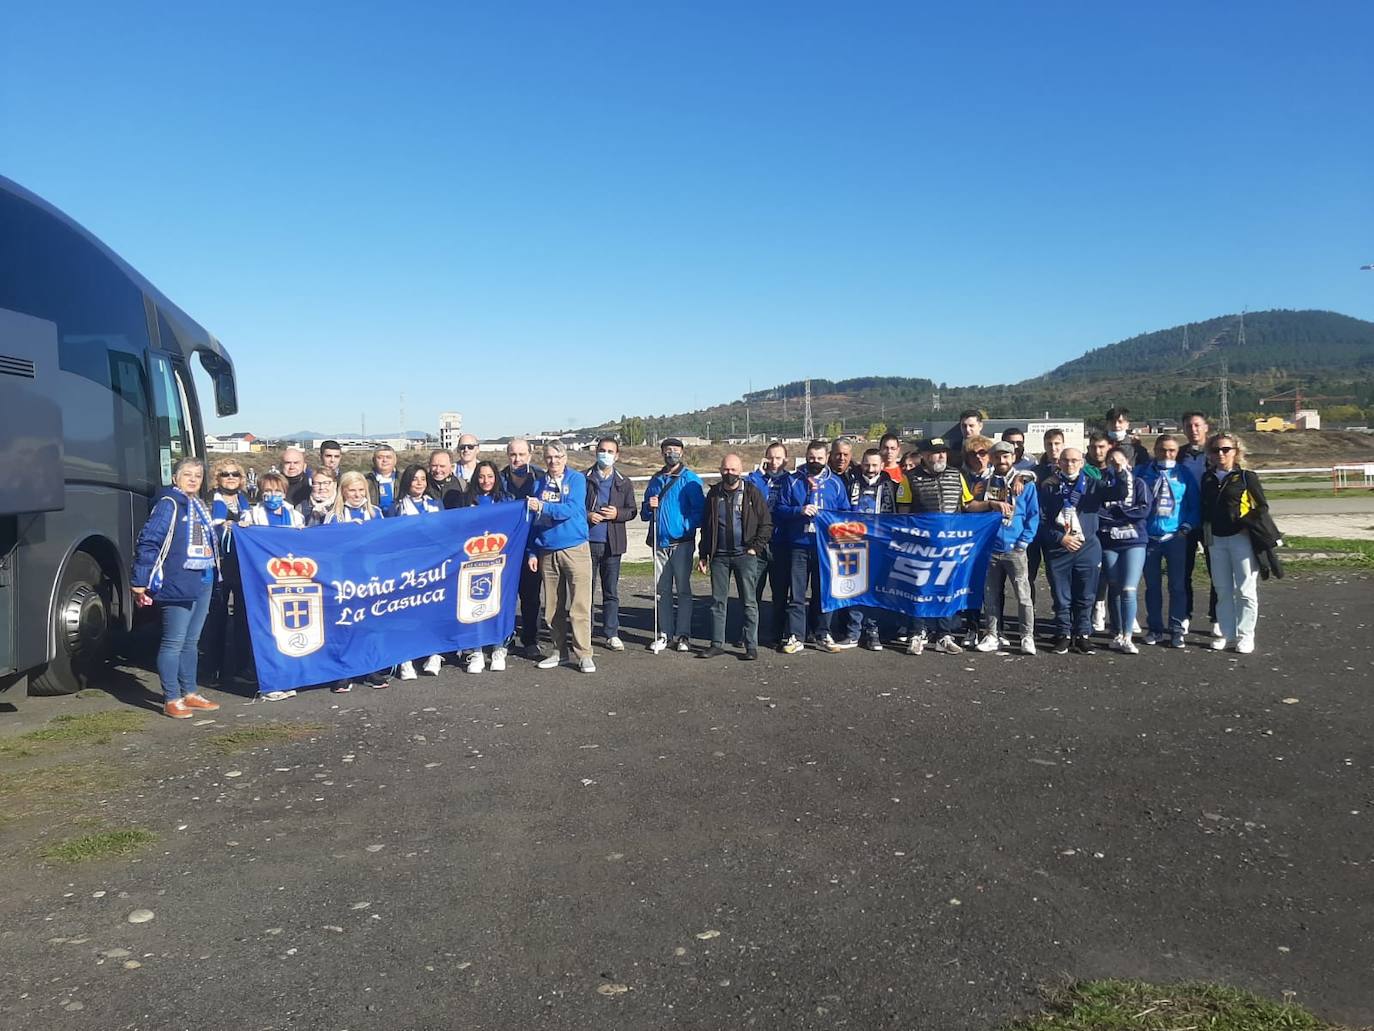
<point x="92" y="728"/>
<point x="90" y="692"/>
<point x="1137" y="1006"/>
<point x="101" y="845"/>
<point x="267" y="734"/>
<point x="44" y="789"/>
<point x="1340" y="553"/>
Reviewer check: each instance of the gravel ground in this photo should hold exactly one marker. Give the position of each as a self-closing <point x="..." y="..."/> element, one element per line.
<point x="857" y="840"/>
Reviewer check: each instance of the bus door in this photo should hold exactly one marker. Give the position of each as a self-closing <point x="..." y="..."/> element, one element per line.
<point x="175" y="434"/>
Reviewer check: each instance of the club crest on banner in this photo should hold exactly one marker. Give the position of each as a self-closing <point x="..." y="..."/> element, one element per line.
<point x="847" y="553"/>
<point x="479" y="577"/>
<point x="296" y="604"/>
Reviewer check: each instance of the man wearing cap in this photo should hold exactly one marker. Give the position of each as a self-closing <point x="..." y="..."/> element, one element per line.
<point x="673" y="504"/>
<point x="936" y="488"/>
<point x="1020" y="521"/>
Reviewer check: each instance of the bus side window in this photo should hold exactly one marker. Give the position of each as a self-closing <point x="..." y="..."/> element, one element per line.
<point x="173" y="438"/>
<point x="135" y="449"/>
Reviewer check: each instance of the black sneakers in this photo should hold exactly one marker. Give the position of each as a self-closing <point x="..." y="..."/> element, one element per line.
<point x="1082" y="646"/>
<point x="1061" y="645"/>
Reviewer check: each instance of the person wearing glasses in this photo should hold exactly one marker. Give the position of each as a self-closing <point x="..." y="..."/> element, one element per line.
<point x="610" y="505"/>
<point x="1229" y="492"/>
<point x="1016" y="437"/>
<point x="518" y="480"/>
<point x="558" y="548"/>
<point x="464" y="467"/>
<point x="324" y="490"/>
<point x="224" y="640"/>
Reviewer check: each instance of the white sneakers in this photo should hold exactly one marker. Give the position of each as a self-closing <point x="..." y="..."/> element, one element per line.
<point x="792" y="646"/>
<point x="1099" y="616"/>
<point x="1218" y="644"/>
<point x="658" y="644"/>
<point x="433" y="665"/>
<point x="1027" y="644"/>
<point x="1123" y="643"/>
<point x="683" y="645"/>
<point x="476" y="662"/>
<point x="1246" y="644"/>
<point x="586" y="665"/>
<point x="550" y="662"/>
<point x="988" y="643"/>
<point x="916" y="645"/>
<point x="948" y="645"/>
<point x="615" y="644"/>
<point x="408" y="670"/>
<point x="498" y="660"/>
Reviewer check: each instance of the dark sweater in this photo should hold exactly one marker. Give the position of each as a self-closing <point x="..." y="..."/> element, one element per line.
<point x="755" y="518"/>
<point x="1221" y="500"/>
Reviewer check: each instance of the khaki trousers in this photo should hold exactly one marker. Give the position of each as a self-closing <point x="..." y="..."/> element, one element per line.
<point x="568" y="598"/>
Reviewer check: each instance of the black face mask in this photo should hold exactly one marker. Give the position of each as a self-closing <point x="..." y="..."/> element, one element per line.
<point x="814" y="468"/>
<point x="731" y="480"/>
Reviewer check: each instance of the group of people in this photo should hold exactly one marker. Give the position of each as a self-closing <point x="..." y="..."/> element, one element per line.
<point x="1096" y="520"/>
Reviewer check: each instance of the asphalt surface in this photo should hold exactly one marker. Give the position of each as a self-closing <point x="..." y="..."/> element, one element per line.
<point x="830" y="841"/>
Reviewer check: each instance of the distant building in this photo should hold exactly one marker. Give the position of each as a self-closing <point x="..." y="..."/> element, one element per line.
<point x="234" y="443"/>
<point x="1308" y="419"/>
<point x="450" y="429"/>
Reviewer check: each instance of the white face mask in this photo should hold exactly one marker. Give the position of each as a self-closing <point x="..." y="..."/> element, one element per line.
<point x="1167" y="463"/>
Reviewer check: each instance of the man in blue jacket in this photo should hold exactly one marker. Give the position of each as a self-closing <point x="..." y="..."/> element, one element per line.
<point x="1020" y="523"/>
<point x="1175" y="510"/>
<point x="558" y="546"/>
<point x="774" y="479"/>
<point x="814" y="487"/>
<point x="673" y="502"/>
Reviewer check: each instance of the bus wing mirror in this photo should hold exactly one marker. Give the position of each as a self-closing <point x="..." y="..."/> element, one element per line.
<point x="226" y="393"/>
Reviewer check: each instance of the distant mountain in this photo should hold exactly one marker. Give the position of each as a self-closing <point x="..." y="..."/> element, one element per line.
<point x="1162" y="373"/>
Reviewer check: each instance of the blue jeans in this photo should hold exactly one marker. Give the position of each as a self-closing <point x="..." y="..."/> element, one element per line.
<point x="1073" y="578"/>
<point x="1122" y="570"/>
<point x="744" y="569"/>
<point x="675" y="589"/>
<point x="179" y="649"/>
<point x="606" y="571"/>
<point x="1173" y="554"/>
<point x="805" y="573"/>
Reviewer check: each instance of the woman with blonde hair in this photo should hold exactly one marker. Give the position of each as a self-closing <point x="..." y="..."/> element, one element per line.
<point x="1229" y="493"/>
<point x="353" y="504"/>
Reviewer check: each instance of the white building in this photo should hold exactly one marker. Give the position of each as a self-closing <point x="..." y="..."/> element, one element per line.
<point x="450" y="429"/>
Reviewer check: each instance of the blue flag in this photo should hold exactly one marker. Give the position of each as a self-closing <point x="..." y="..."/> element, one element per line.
<point x="923" y="565"/>
<point x="342" y="600"/>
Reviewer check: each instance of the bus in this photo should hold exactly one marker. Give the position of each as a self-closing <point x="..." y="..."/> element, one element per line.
<point x="97" y="404"/>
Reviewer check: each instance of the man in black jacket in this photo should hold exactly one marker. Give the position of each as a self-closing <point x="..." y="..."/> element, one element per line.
<point x="610" y="505"/>
<point x="735" y="528"/>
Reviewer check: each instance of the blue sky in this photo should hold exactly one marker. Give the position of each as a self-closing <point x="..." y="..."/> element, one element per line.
<point x="543" y="214"/>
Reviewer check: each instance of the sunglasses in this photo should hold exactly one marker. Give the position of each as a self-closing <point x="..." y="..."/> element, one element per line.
<point x="1222" y="450"/>
<point x="230" y="472"/>
<point x="982" y="454"/>
<point x="467" y="447"/>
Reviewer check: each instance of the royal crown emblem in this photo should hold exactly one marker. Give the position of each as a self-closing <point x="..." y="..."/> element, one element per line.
<point x="479" y="577"/>
<point x="296" y="603"/>
<point x="841" y="533"/>
<point x="487" y="544"/>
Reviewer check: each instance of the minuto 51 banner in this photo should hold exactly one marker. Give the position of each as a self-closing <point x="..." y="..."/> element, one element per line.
<point x="923" y="565"/>
<point x="342" y="600"/>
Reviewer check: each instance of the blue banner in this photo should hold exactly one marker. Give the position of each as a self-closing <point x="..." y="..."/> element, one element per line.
<point x="923" y="565"/>
<point x="339" y="601"/>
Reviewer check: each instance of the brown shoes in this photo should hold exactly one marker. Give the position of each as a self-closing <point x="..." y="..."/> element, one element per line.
<point x="195" y="701"/>
<point x="177" y="709"/>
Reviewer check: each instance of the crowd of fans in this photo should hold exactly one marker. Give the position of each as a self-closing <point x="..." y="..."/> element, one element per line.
<point x="1096" y="520"/>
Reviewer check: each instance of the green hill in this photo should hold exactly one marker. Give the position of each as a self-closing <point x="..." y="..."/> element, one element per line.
<point x="1162" y="373"/>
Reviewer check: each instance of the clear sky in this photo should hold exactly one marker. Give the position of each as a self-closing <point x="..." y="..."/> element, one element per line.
<point x="552" y="214"/>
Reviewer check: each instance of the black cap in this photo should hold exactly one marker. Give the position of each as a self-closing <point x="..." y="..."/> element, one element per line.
<point x="932" y="444"/>
<point x="669" y="442"/>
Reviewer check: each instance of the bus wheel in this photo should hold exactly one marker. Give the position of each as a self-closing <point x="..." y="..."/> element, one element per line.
<point x="83" y="629"/>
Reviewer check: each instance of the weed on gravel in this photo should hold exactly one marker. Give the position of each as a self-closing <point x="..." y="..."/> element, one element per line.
<point x="100" y="845"/>
<point x="92" y="728"/>
<point x="1138" y="1006"/>
<point x="267" y="734"/>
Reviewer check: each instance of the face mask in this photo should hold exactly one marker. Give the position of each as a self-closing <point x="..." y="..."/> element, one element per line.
<point x="1167" y="463"/>
<point x="273" y="502"/>
<point x="814" y="468"/>
<point x="605" y="459"/>
<point x="672" y="458"/>
<point x="731" y="480"/>
<point x="1117" y="434"/>
<point x="519" y="470"/>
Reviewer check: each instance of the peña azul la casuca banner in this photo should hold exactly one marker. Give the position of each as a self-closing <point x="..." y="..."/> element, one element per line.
<point x="923" y="565"/>
<point x="340" y="601"/>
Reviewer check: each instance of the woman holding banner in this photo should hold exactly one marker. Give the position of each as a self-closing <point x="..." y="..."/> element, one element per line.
<point x="353" y="504"/>
<point x="413" y="501"/>
<point x="484" y="488"/>
<point x="272" y="509"/>
<point x="176" y="558"/>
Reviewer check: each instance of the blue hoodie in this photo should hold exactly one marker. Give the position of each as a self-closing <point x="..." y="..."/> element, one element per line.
<point x="562" y="523"/>
<point x="1169" y="516"/>
<point x="682" y="499"/>
<point x="825" y="490"/>
<point x="1025" y="516"/>
<point x="772" y="486"/>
